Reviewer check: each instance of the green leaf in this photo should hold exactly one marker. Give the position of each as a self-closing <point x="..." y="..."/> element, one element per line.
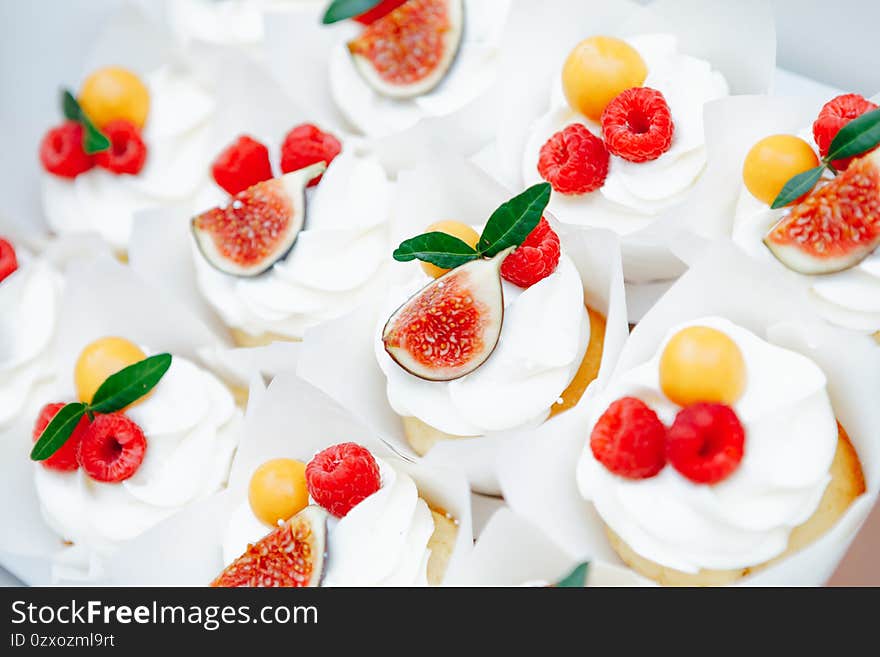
<point x="130" y="384"/>
<point x="798" y="186"/>
<point x="58" y="431"/>
<point x="339" y="10"/>
<point x="438" y="248"/>
<point x="70" y="106"/>
<point x="94" y="141"/>
<point x="856" y="137"/>
<point x="577" y="578"/>
<point x="511" y="223"/>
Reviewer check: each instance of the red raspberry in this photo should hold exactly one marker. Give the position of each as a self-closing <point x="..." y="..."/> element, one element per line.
<point x="127" y="152"/>
<point x="630" y="440"/>
<point x="242" y="164"/>
<point x="8" y="261"/>
<point x="377" y="12"/>
<point x="535" y="259"/>
<point x="341" y="477"/>
<point x="705" y="443"/>
<point x="112" y="449"/>
<point x="835" y="114"/>
<point x="305" y="145"/>
<point x="574" y="160"/>
<point x="637" y="125"/>
<point x="65" y="458"/>
<point x="62" y="152"/>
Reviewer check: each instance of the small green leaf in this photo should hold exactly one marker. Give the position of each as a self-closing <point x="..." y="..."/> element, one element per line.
<point x="130" y="384"/>
<point x="438" y="248"/>
<point x="511" y="223"/>
<point x="94" y="141"/>
<point x="856" y="137"/>
<point x="339" y="10"/>
<point x="70" y="106"/>
<point x="577" y="578"/>
<point x="798" y="186"/>
<point x="58" y="431"/>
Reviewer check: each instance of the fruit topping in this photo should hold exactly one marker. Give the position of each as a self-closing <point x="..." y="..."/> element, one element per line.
<point x="62" y="152"/>
<point x="630" y="440"/>
<point x="702" y="364"/>
<point x="535" y="259"/>
<point x="99" y="360"/>
<point x="342" y="476"/>
<point x="597" y="70"/>
<point x="835" y="226"/>
<point x="66" y="458"/>
<point x="637" y="125"/>
<point x="127" y="152"/>
<point x="292" y="555"/>
<point x="452" y="325"/>
<point x="114" y="93"/>
<point x="243" y="163"/>
<point x="307" y="144"/>
<point x="8" y="261"/>
<point x="835" y="114"/>
<point x="278" y="491"/>
<point x="574" y="160"/>
<point x="409" y="51"/>
<point x="258" y="227"/>
<point x="772" y="162"/>
<point x="457" y="229"/>
<point x="112" y="448"/>
<point x="705" y="443"/>
<point x="377" y="12"/>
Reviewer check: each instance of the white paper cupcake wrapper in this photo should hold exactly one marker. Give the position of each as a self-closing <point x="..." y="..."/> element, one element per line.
<point x="289" y="419"/>
<point x="339" y="356"/>
<point x="537" y="472"/>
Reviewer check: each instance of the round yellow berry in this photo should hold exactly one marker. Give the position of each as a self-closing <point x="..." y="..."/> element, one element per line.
<point x="99" y="360"/>
<point x="773" y="161"/>
<point x="455" y="228"/>
<point x="597" y="70"/>
<point x="114" y="93"/>
<point x="702" y="364"/>
<point x="278" y="490"/>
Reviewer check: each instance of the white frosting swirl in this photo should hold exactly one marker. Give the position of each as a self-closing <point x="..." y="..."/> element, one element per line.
<point x="745" y="520"/>
<point x="192" y="428"/>
<point x="338" y="258"/>
<point x="635" y="193"/>
<point x="179" y="139"/>
<point x="543" y="340"/>
<point x="29" y="300"/>
<point x="473" y="72"/>
<point x="383" y="541"/>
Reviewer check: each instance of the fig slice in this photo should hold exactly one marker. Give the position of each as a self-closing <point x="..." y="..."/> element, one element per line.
<point x="836" y="226"/>
<point x="258" y="226"/>
<point x="452" y="325"/>
<point x="409" y="51"/>
<point x="292" y="555"/>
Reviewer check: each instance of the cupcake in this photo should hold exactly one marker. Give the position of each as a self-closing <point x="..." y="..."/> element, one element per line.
<point x="731" y="444"/>
<point x="532" y="323"/>
<point x="621" y="136"/>
<point x="320" y="512"/>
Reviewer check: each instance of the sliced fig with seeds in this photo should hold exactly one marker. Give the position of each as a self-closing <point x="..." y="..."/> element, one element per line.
<point x="452" y="325"/>
<point x="258" y="227"/>
<point x="409" y="51"/>
<point x="835" y="226"/>
<point x="292" y="555"/>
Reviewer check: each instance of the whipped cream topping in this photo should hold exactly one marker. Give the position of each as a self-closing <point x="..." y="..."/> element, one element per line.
<point x="224" y="22"/>
<point x="849" y="298"/>
<point x="383" y="541"/>
<point x="179" y="139"/>
<point x="745" y="520"/>
<point x="543" y="339"/>
<point x="635" y="193"/>
<point x="339" y="257"/>
<point x="192" y="428"/>
<point x="473" y="72"/>
<point x="29" y="300"/>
